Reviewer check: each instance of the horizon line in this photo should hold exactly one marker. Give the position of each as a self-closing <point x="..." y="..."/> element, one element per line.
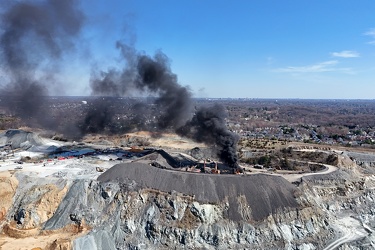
<point x="206" y="98"/>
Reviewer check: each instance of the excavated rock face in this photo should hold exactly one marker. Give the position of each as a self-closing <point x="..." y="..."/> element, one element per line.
<point x="89" y="214"/>
<point x="29" y="203"/>
<point x="347" y="200"/>
<point x="141" y="218"/>
<point x="36" y="200"/>
<point x="8" y="187"/>
<point x="248" y="197"/>
<point x="134" y="206"/>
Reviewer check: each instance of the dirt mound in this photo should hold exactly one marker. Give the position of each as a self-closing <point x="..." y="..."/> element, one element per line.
<point x="20" y="139"/>
<point x="34" y="239"/>
<point x="264" y="194"/>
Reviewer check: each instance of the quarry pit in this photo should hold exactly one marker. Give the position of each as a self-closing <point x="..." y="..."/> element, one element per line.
<point x="69" y="194"/>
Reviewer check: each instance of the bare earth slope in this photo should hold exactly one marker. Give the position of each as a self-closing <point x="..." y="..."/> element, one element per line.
<point x="264" y="194"/>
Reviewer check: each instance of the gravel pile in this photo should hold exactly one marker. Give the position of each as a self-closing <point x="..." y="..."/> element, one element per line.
<point x="20" y="139"/>
<point x="362" y="157"/>
<point x="264" y="193"/>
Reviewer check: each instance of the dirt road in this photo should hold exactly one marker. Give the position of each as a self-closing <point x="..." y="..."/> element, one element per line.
<point x="290" y="176"/>
<point x="351" y="229"/>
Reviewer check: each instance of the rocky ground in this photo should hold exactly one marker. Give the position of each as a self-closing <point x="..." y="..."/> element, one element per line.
<point x="103" y="201"/>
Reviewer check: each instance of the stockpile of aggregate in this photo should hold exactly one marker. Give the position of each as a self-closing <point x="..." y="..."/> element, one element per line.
<point x="20" y="139"/>
<point x="265" y="194"/>
<point x="167" y="160"/>
<point x="154" y="157"/>
<point x="362" y="157"/>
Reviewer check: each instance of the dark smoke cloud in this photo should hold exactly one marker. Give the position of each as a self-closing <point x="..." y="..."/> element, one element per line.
<point x="143" y="74"/>
<point x="174" y="100"/>
<point x="114" y="82"/>
<point x="173" y="103"/>
<point x="208" y="126"/>
<point x="98" y="117"/>
<point x="35" y="35"/>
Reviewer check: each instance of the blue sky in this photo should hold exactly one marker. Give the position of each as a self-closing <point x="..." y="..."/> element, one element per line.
<point x="247" y="49"/>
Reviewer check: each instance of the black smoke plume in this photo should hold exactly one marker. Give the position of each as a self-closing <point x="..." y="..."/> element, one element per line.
<point x="34" y="36"/>
<point x="208" y="126"/>
<point x="172" y="103"/>
<point x="143" y="75"/>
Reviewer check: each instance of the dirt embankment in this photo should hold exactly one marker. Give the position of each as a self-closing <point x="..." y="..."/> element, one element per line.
<point x="8" y="187"/>
<point x="143" y="139"/>
<point x="39" y="202"/>
<point x="16" y="239"/>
